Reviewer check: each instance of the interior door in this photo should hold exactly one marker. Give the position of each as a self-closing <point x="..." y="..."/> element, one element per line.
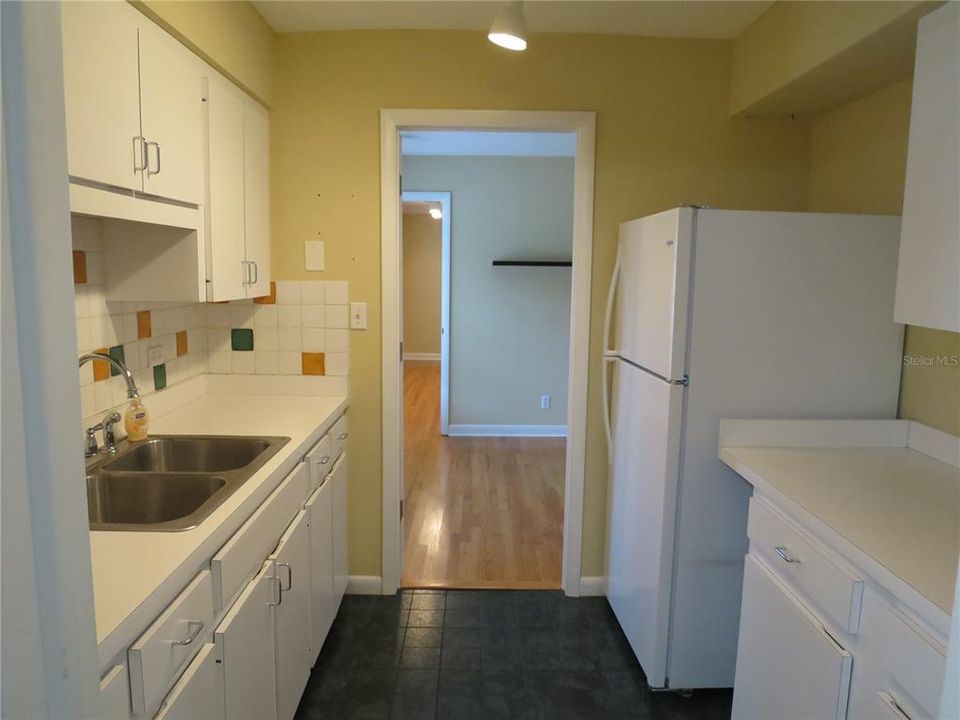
<point x="292" y="558"/>
<point x="654" y="285"/>
<point x="319" y="510"/>
<point x="256" y="197"/>
<point x="338" y="480"/>
<point x="102" y="92"/>
<point x="171" y="106"/>
<point x="246" y="641"/>
<point x="226" y="257"/>
<point x="647" y="420"/>
<point x="788" y="667"/>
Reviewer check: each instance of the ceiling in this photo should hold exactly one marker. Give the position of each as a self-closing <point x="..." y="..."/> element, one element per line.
<point x="719" y="19"/>
<point x="479" y="142"/>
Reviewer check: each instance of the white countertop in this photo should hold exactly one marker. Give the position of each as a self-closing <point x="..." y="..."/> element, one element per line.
<point x="136" y="574"/>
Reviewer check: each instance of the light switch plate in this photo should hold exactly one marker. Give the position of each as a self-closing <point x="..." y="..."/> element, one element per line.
<point x="358" y="315"/>
<point x="313" y="255"/>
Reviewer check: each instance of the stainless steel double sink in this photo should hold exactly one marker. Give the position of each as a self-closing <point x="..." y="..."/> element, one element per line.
<point x="171" y="482"/>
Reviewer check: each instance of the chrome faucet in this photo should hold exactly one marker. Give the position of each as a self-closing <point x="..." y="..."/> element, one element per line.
<point x="109" y="436"/>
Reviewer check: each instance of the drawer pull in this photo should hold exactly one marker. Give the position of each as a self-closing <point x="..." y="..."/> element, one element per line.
<point x="324" y="460"/>
<point x="195" y="629"/>
<point x="342" y="436"/>
<point x="289" y="586"/>
<point x="277" y="599"/>
<point x="784" y="555"/>
<point x="898" y="712"/>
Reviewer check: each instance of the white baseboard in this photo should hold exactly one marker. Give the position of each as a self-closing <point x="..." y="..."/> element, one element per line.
<point x="507" y="431"/>
<point x="422" y="356"/>
<point x="364" y="585"/>
<point x="593" y="586"/>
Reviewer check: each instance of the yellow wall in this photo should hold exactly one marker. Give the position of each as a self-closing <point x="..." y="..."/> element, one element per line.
<point x="858" y="160"/>
<point x="664" y="137"/>
<point x="421" y="284"/>
<point x="229" y="34"/>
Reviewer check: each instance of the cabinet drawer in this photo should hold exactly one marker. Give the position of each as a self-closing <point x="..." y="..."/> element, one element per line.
<point x="915" y="666"/>
<point x="159" y="654"/>
<point x="195" y="696"/>
<point x="321" y="458"/>
<point x="340" y="432"/>
<point x="832" y="587"/>
<point x="245" y="552"/>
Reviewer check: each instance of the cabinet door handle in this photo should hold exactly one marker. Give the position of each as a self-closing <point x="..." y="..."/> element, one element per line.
<point x="245" y="265"/>
<point x="150" y="172"/>
<point x="289" y="586"/>
<point x="278" y="594"/>
<point x="139" y="150"/>
<point x="195" y="629"/>
<point x="324" y="459"/>
<point x="343" y="436"/>
<point x="256" y="273"/>
<point x="784" y="555"/>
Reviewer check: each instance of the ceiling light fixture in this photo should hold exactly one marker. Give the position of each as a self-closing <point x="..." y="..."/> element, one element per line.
<point x="509" y="28"/>
<point x="436" y="213"/>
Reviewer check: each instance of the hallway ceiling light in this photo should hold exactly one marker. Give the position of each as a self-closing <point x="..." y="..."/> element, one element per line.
<point x="436" y="213"/>
<point x="509" y="28"/>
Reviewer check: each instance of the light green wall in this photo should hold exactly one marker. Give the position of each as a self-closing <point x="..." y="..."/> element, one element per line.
<point x="421" y="284"/>
<point x="858" y="160"/>
<point x="509" y="327"/>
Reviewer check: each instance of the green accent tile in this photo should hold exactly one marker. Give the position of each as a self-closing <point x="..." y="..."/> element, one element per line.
<point x="159" y="376"/>
<point x="241" y="339"/>
<point x="116" y="352"/>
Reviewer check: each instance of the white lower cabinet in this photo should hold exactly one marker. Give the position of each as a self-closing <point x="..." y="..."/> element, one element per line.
<point x="292" y="558"/>
<point x="246" y="649"/>
<point x="196" y="696"/>
<point x="322" y="609"/>
<point x="787" y="665"/>
<point x="338" y="482"/>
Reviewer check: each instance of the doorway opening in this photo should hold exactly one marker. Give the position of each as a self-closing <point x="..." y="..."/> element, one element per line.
<point x="488" y="459"/>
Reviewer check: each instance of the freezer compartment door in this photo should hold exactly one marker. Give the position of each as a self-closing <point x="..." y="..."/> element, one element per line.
<point x="647" y="429"/>
<point x="654" y="284"/>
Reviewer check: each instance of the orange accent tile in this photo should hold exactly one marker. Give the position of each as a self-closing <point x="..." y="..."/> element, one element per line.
<point x="101" y="368"/>
<point x="144" y="324"/>
<point x="270" y="299"/>
<point x="313" y="363"/>
<point x="181" y="343"/>
<point x="80" y="267"/>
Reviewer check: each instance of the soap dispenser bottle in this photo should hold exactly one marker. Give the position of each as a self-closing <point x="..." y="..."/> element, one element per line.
<point x="136" y="420"/>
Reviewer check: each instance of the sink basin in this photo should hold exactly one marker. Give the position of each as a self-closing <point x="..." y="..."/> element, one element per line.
<point x="189" y="454"/>
<point x="171" y="482"/>
<point x="132" y="498"/>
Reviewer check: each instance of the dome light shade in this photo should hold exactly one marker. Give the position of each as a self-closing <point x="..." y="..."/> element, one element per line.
<point x="509" y="28"/>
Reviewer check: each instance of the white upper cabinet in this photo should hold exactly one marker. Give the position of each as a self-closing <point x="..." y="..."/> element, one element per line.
<point x="928" y="275"/>
<point x="171" y="106"/>
<point x="102" y="92"/>
<point x="238" y="194"/>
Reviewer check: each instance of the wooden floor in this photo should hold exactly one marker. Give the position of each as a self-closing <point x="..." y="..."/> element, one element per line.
<point x="478" y="512"/>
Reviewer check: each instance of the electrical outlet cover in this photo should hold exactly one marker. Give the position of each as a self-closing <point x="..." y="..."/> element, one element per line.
<point x="313" y="255"/>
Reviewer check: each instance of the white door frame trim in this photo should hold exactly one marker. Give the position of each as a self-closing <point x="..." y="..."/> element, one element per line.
<point x="391" y="123"/>
<point x="443" y="198"/>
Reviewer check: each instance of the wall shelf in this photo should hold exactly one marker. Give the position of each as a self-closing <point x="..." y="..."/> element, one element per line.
<point x="533" y="263"/>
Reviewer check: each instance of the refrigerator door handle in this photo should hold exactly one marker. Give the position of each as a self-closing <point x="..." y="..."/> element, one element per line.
<point x="609" y="355"/>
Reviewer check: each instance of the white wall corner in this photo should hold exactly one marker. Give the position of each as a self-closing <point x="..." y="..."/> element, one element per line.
<point x="593" y="586"/>
<point x="364" y="585"/>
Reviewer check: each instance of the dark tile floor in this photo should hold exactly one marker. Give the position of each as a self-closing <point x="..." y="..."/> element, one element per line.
<point x="486" y="654"/>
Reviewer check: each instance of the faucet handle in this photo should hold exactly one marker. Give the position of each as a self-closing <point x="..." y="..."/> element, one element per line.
<point x="90" y="442"/>
<point x="109" y="435"/>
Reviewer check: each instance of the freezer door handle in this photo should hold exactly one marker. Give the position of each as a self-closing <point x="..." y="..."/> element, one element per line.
<point x="609" y="355"/>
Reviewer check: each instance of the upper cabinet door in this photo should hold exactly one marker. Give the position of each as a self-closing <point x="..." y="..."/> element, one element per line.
<point x="256" y="194"/>
<point x="226" y="266"/>
<point x="928" y="274"/>
<point x="171" y="104"/>
<point x="102" y="92"/>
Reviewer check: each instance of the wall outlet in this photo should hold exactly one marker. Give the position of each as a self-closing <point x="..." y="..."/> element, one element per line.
<point x="544" y="402"/>
<point x="154" y="355"/>
<point x="358" y="315"/>
<point x="313" y="255"/>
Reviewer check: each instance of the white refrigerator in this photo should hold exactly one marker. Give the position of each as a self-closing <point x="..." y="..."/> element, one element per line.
<point x="714" y="314"/>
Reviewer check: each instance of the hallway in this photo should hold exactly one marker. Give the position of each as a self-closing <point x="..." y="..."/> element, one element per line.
<point x="478" y="512"/>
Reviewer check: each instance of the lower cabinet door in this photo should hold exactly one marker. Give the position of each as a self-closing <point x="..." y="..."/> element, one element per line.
<point x="292" y="558"/>
<point x="338" y="478"/>
<point x="788" y="667"/>
<point x="196" y="695"/>
<point x="246" y="642"/>
<point x="319" y="513"/>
